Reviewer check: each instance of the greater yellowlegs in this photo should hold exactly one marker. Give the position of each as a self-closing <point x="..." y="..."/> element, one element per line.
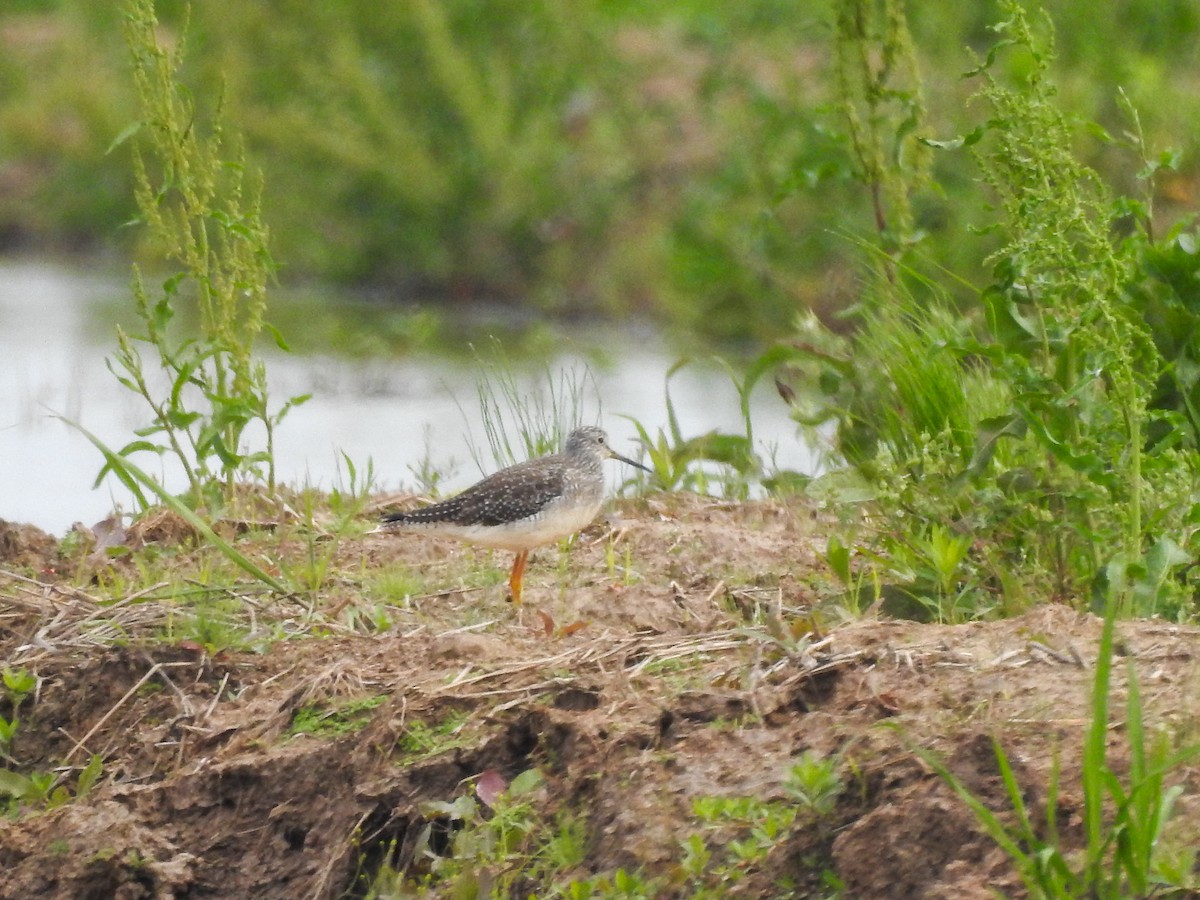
<point x="526" y="505"/>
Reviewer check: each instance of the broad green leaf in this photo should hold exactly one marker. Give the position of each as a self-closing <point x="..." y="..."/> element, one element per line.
<point x="90" y="774"/>
<point x="14" y="784"/>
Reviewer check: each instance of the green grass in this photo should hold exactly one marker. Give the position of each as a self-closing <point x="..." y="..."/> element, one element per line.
<point x="422" y="740"/>
<point x="524" y="420"/>
<point x="1127" y="847"/>
<point x="335" y="719"/>
<point x="213" y="625"/>
<point x="1032" y="430"/>
<point x="395" y="585"/>
<point x="326" y="522"/>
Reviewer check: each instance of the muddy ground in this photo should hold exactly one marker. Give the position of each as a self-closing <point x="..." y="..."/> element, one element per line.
<point x="640" y="674"/>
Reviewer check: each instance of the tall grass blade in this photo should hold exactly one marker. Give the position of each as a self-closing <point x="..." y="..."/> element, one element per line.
<point x="1095" y="747"/>
<point x="672" y="419"/>
<point x="128" y="473"/>
<point x="1015" y="797"/>
<point x="541" y="415"/>
<point x="1136" y="846"/>
<point x="986" y="818"/>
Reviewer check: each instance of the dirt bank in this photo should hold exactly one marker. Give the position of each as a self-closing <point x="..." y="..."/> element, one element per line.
<point x="664" y="658"/>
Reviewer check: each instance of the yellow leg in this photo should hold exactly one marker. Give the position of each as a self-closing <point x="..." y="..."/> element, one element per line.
<point x="518" y="572"/>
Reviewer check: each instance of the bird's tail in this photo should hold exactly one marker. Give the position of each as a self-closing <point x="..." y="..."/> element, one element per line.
<point x="389" y="522"/>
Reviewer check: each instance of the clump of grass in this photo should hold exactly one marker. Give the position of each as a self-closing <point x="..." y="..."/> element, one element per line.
<point x="428" y="473"/>
<point x="335" y="719"/>
<point x="521" y="422"/>
<point x="395" y="585"/>
<point x="1126" y="852"/>
<point x="211" y="624"/>
<point x="422" y="740"/>
<point x="322" y="536"/>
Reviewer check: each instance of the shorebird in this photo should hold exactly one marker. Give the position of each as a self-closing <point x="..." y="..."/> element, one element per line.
<point x="524" y="506"/>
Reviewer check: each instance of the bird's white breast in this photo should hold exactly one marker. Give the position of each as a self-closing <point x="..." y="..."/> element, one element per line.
<point x="547" y="526"/>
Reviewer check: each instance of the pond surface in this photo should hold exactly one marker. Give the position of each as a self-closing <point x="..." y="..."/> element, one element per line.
<point x="56" y="328"/>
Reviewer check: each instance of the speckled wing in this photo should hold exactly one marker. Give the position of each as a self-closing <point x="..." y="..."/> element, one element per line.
<point x="508" y="496"/>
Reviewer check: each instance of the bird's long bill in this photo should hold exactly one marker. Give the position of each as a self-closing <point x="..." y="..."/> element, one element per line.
<point x="629" y="462"/>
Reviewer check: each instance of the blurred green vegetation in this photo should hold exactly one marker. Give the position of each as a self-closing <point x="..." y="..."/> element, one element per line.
<point x="1037" y="436"/>
<point x="686" y="160"/>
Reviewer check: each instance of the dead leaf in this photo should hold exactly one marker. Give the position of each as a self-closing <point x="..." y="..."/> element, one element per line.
<point x="109" y="532"/>
<point x="490" y="786"/>
<point x="108" y="535"/>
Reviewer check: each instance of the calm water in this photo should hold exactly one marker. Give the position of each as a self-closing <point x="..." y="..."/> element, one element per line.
<point x="53" y="342"/>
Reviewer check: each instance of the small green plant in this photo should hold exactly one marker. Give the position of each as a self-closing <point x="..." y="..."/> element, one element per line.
<point x="375" y="619"/>
<point x="351" y="492"/>
<point x="428" y="474"/>
<point x="814" y="783"/>
<point x="862" y="584"/>
<point x="323" y="539"/>
<point x="620" y="885"/>
<point x="743" y="831"/>
<point x="42" y="790"/>
<point x="944" y="552"/>
<point x="498" y="840"/>
<point x="678" y="463"/>
<point x="670" y="463"/>
<point x="18" y="685"/>
<point x="34" y="790"/>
